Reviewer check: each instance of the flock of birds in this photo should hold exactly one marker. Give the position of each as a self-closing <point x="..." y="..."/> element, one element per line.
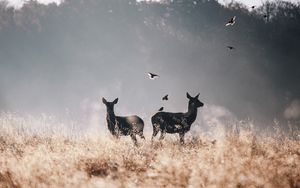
<point x="230" y="22"/>
<point x="153" y="76"/>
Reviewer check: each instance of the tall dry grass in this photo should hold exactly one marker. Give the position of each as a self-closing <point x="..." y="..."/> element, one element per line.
<point x="52" y="159"/>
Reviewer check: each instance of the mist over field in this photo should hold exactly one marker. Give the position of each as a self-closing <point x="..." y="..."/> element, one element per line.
<point x="61" y="59"/>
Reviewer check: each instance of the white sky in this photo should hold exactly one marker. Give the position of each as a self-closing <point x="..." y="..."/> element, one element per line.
<point x="18" y="3"/>
<point x="253" y="2"/>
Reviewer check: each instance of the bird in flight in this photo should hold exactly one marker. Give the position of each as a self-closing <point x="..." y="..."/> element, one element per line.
<point x="253" y="7"/>
<point x="161" y="109"/>
<point x="231" y="22"/>
<point x="152" y="76"/>
<point x="230" y="47"/>
<point x="165" y="98"/>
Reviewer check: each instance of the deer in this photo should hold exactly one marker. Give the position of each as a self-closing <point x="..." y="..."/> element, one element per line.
<point x="123" y="126"/>
<point x="167" y="122"/>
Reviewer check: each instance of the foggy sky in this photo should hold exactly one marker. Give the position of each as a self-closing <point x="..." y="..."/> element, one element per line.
<point x="62" y="59"/>
<point x="252" y="2"/>
<point x="19" y="3"/>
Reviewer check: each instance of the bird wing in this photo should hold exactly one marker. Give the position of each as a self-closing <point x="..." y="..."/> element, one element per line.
<point x="228" y="23"/>
<point x="152" y="74"/>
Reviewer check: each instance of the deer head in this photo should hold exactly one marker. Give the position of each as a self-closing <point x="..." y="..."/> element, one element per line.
<point x="109" y="105"/>
<point x="194" y="101"/>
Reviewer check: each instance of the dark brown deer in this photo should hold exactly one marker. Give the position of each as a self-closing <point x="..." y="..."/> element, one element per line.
<point x="123" y="126"/>
<point x="167" y="122"/>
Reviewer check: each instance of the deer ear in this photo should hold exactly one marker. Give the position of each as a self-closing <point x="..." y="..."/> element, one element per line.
<point x="197" y="96"/>
<point x="104" y="100"/>
<point x="188" y="95"/>
<point x="115" y="101"/>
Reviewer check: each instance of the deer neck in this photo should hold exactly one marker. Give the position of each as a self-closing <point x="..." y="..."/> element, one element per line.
<point x="111" y="120"/>
<point x="191" y="115"/>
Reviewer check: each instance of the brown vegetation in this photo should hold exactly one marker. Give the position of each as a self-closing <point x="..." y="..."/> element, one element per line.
<point x="29" y="160"/>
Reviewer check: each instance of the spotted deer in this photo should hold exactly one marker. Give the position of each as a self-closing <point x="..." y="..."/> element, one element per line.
<point x="123" y="126"/>
<point x="167" y="122"/>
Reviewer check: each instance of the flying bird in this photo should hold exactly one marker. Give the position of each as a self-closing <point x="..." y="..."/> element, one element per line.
<point x="230" y="47"/>
<point x="231" y="22"/>
<point x="265" y="16"/>
<point x="165" y="98"/>
<point x="152" y="76"/>
<point x="161" y="109"/>
<point x="253" y="7"/>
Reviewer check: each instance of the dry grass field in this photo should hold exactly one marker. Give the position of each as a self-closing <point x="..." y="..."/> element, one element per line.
<point x="33" y="159"/>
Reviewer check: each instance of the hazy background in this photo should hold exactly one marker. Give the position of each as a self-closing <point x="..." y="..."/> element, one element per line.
<point x="19" y="3"/>
<point x="61" y="59"/>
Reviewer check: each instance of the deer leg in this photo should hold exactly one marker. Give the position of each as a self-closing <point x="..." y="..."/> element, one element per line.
<point x="117" y="130"/>
<point x="133" y="137"/>
<point x="181" y="137"/>
<point x="162" y="134"/>
<point x="155" y="131"/>
<point x="142" y="135"/>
